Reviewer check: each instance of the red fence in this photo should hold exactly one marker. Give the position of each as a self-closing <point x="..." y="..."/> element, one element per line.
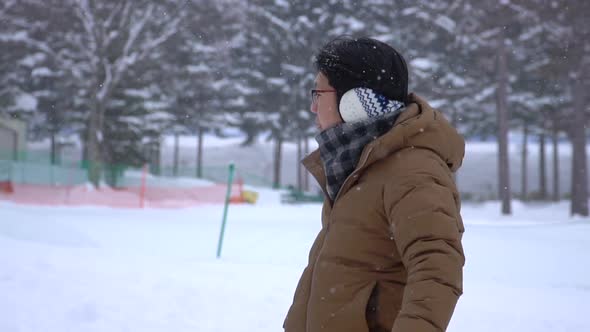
<point x="39" y="184"/>
<point x="154" y="197"/>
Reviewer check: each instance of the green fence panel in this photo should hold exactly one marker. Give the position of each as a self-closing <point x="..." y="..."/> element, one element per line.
<point x="35" y="167"/>
<point x="42" y="174"/>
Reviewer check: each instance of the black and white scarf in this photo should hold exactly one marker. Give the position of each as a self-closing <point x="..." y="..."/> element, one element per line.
<point x="341" y="147"/>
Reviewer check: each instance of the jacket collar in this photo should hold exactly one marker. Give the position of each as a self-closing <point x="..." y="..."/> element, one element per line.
<point x="418" y="125"/>
<point x="313" y="162"/>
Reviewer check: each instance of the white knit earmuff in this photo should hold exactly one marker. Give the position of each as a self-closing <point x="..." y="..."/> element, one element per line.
<point x="363" y="103"/>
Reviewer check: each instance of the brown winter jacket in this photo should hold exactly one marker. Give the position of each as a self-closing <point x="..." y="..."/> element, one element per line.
<point x="389" y="254"/>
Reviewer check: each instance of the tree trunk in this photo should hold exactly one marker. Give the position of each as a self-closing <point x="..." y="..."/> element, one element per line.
<point x="555" y="141"/>
<point x="502" y="118"/>
<point x="524" y="164"/>
<point x="277" y="162"/>
<point x="579" y="203"/>
<point x="54" y="150"/>
<point x="93" y="145"/>
<point x="542" y="166"/>
<point x="200" y="152"/>
<point x="84" y="148"/>
<point x="298" y="166"/>
<point x="176" y="155"/>
<point x="305" y="173"/>
<point x="155" y="159"/>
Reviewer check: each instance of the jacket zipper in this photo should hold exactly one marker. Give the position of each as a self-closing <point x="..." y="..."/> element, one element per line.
<point x="353" y="174"/>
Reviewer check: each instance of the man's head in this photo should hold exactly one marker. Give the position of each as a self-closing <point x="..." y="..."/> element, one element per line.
<point x="346" y="63"/>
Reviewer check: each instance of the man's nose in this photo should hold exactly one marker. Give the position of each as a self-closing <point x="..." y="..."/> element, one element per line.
<point x="314" y="107"/>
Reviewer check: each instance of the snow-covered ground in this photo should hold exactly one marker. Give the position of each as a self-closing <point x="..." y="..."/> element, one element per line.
<point x="109" y="270"/>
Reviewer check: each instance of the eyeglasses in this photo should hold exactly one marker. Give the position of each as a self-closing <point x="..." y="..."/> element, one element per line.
<point x="316" y="92"/>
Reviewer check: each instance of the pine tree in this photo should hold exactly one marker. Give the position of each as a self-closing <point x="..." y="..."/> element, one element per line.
<point x="195" y="61"/>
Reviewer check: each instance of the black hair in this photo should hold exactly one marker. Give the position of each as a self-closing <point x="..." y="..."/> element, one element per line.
<point x="363" y="62"/>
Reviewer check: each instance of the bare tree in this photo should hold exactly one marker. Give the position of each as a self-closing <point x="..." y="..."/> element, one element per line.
<point x="106" y="25"/>
<point x="579" y="204"/>
<point x="542" y="164"/>
<point x="524" y="157"/>
<point x="502" y="117"/>
<point x="555" y="143"/>
<point x="97" y="49"/>
<point x="574" y="39"/>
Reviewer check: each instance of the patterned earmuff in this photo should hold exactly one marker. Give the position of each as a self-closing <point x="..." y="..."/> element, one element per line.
<point x="363" y="103"/>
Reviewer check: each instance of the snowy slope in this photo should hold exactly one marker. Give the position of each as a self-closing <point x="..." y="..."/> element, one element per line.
<point x="107" y="270"/>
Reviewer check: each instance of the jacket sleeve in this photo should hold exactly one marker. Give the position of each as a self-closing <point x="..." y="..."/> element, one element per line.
<point x="427" y="228"/>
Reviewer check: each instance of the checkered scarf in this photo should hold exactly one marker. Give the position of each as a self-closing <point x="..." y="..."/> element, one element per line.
<point x="341" y="147"/>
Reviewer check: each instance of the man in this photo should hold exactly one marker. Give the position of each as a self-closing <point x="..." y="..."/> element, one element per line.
<point x="389" y="254"/>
